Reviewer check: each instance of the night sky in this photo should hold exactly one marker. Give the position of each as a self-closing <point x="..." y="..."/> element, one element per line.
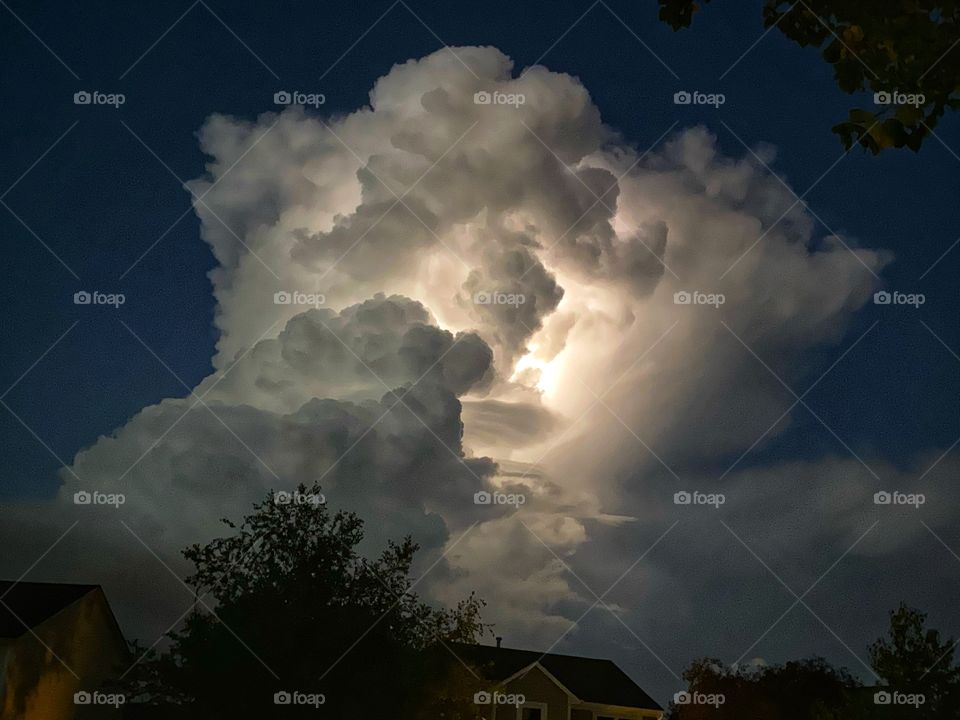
<point x="94" y="199"/>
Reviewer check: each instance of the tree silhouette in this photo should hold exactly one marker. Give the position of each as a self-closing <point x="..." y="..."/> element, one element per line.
<point x="299" y="610"/>
<point x="798" y="690"/>
<point x="912" y="659"/>
<point x="903" y="51"/>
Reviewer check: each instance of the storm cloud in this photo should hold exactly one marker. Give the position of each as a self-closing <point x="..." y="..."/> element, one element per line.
<point x="434" y="296"/>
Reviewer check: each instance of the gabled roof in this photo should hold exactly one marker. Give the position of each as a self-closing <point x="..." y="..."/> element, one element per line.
<point x="591" y="680"/>
<point x="32" y="603"/>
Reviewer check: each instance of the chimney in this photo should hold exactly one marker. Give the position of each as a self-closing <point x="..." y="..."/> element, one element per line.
<point x="499" y="641"/>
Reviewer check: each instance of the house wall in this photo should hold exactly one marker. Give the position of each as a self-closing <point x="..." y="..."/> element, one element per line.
<point x="592" y="711"/>
<point x="6" y="650"/>
<point x="37" y="686"/>
<point x="537" y="687"/>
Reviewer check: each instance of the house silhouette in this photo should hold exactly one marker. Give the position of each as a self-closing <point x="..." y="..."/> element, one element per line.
<point x="58" y="644"/>
<point x="529" y="685"/>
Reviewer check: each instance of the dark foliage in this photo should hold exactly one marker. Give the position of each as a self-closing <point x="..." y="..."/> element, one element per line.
<point x="288" y="605"/>
<point x="904" y="51"/>
<point x="911" y="663"/>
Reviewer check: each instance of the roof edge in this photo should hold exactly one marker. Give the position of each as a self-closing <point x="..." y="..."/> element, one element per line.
<point x="553" y="678"/>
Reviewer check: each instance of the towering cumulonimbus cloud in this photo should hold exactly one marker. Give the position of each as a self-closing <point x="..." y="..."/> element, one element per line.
<point x="417" y="193"/>
<point x="495" y="296"/>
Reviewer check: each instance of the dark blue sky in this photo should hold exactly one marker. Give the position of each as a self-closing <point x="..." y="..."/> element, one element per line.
<point x="99" y="199"/>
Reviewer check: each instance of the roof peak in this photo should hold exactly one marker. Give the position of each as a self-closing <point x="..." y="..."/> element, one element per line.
<point x="591" y="680"/>
<point x="56" y="584"/>
<point x="538" y="653"/>
<point x="26" y="604"/>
